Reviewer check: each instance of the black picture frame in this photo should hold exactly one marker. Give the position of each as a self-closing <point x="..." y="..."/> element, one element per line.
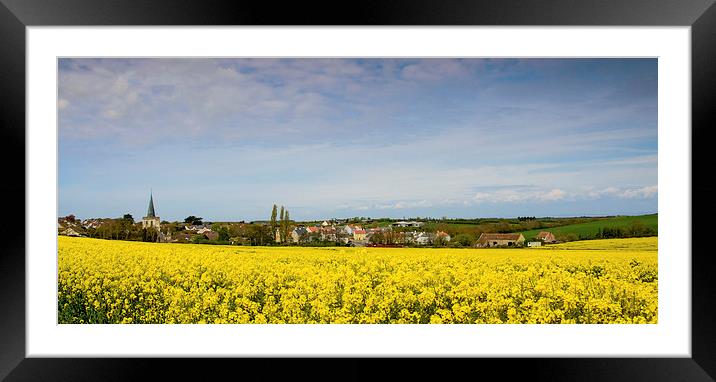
<point x="16" y="15"/>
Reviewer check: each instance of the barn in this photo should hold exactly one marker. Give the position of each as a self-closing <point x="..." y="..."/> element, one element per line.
<point x="500" y="240"/>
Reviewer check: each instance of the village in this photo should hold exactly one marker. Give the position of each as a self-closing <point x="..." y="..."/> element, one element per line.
<point x="331" y="232"/>
<point x="326" y="233"/>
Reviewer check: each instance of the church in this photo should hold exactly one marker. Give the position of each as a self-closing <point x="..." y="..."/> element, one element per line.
<point x="151" y="220"/>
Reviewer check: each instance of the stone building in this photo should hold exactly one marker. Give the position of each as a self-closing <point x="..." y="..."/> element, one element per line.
<point x="500" y="240"/>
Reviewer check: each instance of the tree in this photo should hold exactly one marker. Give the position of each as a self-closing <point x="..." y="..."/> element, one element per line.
<point x="463" y="240"/>
<point x="223" y="234"/>
<point x="126" y="225"/>
<point x="273" y="219"/>
<point x="439" y="241"/>
<point x="193" y="220"/>
<point x="128" y="218"/>
<point x="150" y="235"/>
<point x="637" y="228"/>
<point x="70" y="218"/>
<point x="285" y="226"/>
<point x="377" y="238"/>
<point x="258" y="234"/>
<point x="281" y="222"/>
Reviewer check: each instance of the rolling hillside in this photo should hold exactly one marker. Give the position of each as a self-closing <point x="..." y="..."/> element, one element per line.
<point x="590" y="229"/>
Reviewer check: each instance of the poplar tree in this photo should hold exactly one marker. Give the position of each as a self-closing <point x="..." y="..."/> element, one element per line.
<point x="286" y="226"/>
<point x="274" y="225"/>
<point x="281" y="221"/>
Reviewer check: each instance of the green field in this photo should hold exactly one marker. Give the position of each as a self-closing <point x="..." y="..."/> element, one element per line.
<point x="589" y="230"/>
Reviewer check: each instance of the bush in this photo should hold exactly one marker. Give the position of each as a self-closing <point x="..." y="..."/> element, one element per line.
<point x="463" y="240"/>
<point x="571" y="236"/>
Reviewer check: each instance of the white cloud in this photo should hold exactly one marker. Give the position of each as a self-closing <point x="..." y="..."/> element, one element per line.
<point x="643" y="192"/>
<point x="624" y="193"/>
<point x="530" y="195"/>
<point x="554" y="194"/>
<point x="393" y="205"/>
<point x="519" y="196"/>
<point x="609" y="191"/>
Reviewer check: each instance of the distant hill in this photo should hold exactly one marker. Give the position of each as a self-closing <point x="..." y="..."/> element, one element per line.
<point x="589" y="230"/>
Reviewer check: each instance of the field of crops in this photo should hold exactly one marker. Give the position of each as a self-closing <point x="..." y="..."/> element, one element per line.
<point x="599" y="281"/>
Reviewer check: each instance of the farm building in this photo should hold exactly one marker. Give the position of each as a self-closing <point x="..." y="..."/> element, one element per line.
<point x="546" y="237"/>
<point x="534" y="244"/>
<point x="500" y="240"/>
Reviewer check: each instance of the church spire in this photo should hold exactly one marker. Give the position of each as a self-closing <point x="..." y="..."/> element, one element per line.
<point x="151" y="220"/>
<point x="150" y="211"/>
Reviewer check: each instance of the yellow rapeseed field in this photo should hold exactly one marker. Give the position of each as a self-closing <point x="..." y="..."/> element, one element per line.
<point x="599" y="281"/>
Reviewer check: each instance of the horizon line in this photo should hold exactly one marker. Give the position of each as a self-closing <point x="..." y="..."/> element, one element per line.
<point x="398" y="219"/>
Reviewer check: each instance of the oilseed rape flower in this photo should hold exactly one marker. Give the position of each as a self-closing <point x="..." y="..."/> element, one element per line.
<point x="597" y="281"/>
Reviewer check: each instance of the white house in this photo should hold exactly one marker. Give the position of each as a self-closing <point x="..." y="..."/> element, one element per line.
<point x="350" y="228"/>
<point x="70" y="232"/>
<point x="422" y="238"/>
<point x="407" y="224"/>
<point x="203" y="230"/>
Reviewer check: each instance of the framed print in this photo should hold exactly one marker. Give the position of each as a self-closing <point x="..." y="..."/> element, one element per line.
<point x="511" y="145"/>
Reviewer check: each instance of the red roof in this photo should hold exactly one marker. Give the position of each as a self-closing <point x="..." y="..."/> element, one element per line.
<point x="359" y="231"/>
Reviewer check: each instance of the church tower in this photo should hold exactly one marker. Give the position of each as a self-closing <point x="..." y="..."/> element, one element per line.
<point x="151" y="220"/>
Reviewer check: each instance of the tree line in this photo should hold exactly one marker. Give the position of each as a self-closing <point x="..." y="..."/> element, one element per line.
<point x="634" y="229"/>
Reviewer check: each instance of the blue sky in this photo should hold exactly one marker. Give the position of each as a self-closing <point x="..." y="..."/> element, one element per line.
<point x="227" y="138"/>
